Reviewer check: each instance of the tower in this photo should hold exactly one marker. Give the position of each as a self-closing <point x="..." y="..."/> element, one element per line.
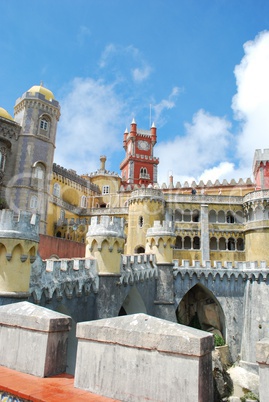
<point x="261" y="169"/>
<point x="37" y="112"/>
<point x="139" y="165"/>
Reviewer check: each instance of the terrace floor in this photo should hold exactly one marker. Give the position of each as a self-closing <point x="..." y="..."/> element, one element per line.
<point x="51" y="389"/>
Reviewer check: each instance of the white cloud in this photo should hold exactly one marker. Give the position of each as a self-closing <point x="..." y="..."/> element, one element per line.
<point x="128" y="58"/>
<point x="202" y="151"/>
<point x="165" y="104"/>
<point x="203" y="145"/>
<point x="140" y="74"/>
<point x="83" y="34"/>
<point x="251" y="103"/>
<point x="91" y="119"/>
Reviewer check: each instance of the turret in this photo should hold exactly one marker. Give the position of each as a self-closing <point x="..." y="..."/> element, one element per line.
<point x="161" y="241"/>
<point x="19" y="238"/>
<point x="145" y="206"/>
<point x="153" y="132"/>
<point x="37" y="112"/>
<point x="105" y="242"/>
<point x="133" y="130"/>
<point x="261" y="169"/>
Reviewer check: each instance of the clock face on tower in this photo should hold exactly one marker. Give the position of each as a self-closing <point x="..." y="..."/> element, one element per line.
<point x="143" y="145"/>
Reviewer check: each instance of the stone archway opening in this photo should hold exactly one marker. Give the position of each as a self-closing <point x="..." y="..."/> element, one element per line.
<point x="200" y="309"/>
<point x="133" y="303"/>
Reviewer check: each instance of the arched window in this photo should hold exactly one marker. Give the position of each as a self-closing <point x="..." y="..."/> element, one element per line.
<point x="38" y="178"/>
<point x="229" y="217"/>
<point x="222" y="243"/>
<point x="33" y="202"/>
<point x="178" y="244"/>
<point x="3" y="153"/>
<point x="187" y="215"/>
<point x="56" y="190"/>
<point x="221" y="217"/>
<point x="212" y="216"/>
<point x="187" y="243"/>
<point x="231" y="244"/>
<point x="83" y="202"/>
<point x="178" y="216"/>
<point x="195" y="215"/>
<point x="44" y="125"/>
<point x="196" y="243"/>
<point x="143" y="173"/>
<point x="213" y="243"/>
<point x="240" y="244"/>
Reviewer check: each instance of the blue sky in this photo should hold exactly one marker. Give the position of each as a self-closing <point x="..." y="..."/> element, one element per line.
<point x="202" y="65"/>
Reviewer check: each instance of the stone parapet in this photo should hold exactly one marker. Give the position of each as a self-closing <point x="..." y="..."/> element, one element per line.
<point x="106" y="226"/>
<point x="63" y="276"/>
<point x="136" y="357"/>
<point x="137" y="268"/>
<point x="24" y="225"/>
<point x="248" y="270"/>
<point x="33" y="339"/>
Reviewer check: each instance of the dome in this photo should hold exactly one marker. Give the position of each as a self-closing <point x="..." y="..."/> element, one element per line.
<point x="42" y="90"/>
<point x="5" y="114"/>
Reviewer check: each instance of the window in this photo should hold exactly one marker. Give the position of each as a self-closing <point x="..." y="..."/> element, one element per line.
<point x="56" y="190"/>
<point x="105" y="189"/>
<point x="39" y="173"/>
<point x="83" y="202"/>
<point x="44" y="124"/>
<point x="2" y="159"/>
<point x="33" y="202"/>
<point x="62" y="215"/>
<point x="140" y="221"/>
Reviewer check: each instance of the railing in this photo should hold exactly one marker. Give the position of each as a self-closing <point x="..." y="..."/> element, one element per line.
<point x="203" y="199"/>
<point x="256" y="195"/>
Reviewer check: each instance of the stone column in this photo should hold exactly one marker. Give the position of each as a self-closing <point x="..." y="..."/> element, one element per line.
<point x="165" y="301"/>
<point x="204" y="233"/>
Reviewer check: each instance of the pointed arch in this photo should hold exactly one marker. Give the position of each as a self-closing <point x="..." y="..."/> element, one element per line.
<point x="133" y="303"/>
<point x="199" y="308"/>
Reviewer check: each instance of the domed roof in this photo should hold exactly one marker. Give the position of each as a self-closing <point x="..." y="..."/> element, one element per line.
<point x="42" y="90"/>
<point x="5" y="114"/>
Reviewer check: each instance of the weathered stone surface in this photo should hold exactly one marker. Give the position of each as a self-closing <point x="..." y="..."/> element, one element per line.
<point x="262" y="355"/>
<point x="33" y="339"/>
<point x="139" y="358"/>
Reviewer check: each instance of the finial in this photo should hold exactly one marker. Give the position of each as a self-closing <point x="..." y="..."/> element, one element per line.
<point x="133" y="121"/>
<point x="153" y="125"/>
<point x="41" y="83"/>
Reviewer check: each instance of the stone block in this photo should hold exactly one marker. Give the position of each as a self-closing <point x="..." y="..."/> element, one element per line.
<point x="141" y="358"/>
<point x="33" y="339"/>
<point x="262" y="357"/>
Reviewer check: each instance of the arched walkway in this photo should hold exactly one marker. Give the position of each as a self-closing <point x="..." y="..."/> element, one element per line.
<point x="200" y="309"/>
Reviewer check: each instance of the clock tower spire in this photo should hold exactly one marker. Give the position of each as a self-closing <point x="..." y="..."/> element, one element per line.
<point x="139" y="165"/>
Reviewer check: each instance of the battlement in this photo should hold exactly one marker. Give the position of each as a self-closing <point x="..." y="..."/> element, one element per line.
<point x="201" y="186"/>
<point x="166" y="228"/>
<point x="138" y="268"/>
<point x="260" y="155"/>
<point x="106" y="226"/>
<point x="64" y="276"/>
<point x="24" y="225"/>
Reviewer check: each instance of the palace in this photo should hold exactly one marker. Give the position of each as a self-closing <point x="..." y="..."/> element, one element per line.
<point x="105" y="244"/>
<point x="225" y="221"/>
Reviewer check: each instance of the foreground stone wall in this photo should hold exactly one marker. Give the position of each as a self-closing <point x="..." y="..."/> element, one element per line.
<point x="140" y="358"/>
<point x="33" y="339"/>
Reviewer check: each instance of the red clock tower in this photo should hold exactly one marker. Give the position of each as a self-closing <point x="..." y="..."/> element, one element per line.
<point x="139" y="165"/>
